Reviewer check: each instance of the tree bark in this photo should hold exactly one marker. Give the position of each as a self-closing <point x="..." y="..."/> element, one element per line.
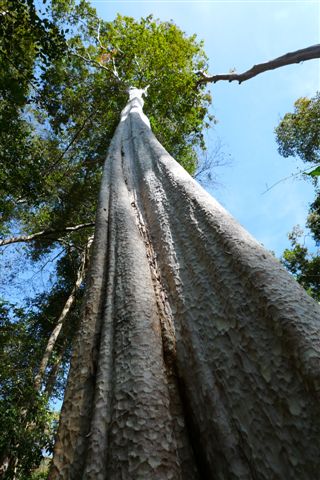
<point x="198" y="354"/>
<point x="298" y="56"/>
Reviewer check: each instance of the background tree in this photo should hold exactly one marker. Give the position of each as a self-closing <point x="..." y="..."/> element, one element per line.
<point x="25" y="420"/>
<point x="298" y="135"/>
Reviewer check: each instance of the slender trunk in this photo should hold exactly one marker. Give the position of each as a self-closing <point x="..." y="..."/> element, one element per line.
<point x="52" y="376"/>
<point x="8" y="462"/>
<point x="197" y="354"/>
<point x="66" y="309"/>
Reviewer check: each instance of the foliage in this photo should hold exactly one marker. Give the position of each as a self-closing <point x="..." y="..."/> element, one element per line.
<point x="59" y="142"/>
<point x="27" y="426"/>
<point x="28" y="44"/>
<point x="298" y="134"/>
<point x="305" y="266"/>
<point x="27" y="423"/>
<point x="41" y="473"/>
<point x="128" y="52"/>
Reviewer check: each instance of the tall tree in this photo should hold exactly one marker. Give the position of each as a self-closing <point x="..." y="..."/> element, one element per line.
<point x="66" y="106"/>
<point x="298" y="133"/>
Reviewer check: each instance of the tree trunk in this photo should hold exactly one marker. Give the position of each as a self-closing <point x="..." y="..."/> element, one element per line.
<point x="198" y="354"/>
<point x="52" y="375"/>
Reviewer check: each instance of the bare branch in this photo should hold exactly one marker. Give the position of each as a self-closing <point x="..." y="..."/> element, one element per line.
<point x="298" y="56"/>
<point x="98" y="36"/>
<point x="115" y="71"/>
<point x="44" y="233"/>
<point x="209" y="163"/>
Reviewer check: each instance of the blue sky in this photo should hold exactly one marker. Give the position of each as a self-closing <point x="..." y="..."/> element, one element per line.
<point x="239" y="34"/>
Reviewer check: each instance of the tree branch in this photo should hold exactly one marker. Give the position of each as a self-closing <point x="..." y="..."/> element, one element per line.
<point x="90" y="61"/>
<point x="44" y="233"/>
<point x="298" y="56"/>
<point x="95" y="63"/>
<point x="52" y="375"/>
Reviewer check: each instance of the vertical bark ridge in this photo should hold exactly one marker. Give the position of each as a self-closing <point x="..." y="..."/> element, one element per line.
<point x="101" y="414"/>
<point x="224" y="440"/>
<point x="202" y="339"/>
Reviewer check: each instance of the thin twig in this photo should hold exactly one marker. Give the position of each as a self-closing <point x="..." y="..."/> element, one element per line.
<point x="284" y="179"/>
<point x="73" y="139"/>
<point x="95" y="63"/>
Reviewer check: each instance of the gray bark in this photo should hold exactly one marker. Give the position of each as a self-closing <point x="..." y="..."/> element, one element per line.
<point x="198" y="354"/>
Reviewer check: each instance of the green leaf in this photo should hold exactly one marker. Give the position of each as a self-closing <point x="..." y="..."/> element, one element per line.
<point x="315" y="172"/>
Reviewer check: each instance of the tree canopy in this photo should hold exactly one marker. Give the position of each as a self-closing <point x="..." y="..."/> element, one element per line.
<point x="298" y="133"/>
